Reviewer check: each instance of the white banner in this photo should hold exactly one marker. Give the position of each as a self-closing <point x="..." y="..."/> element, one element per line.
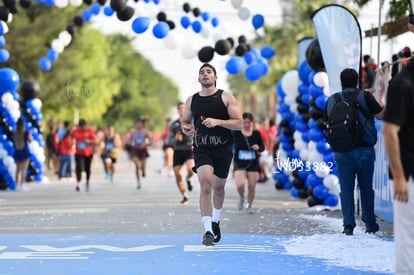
<point x="339" y="36"/>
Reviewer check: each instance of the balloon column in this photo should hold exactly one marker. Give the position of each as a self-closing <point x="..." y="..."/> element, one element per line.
<point x="9" y="113"/>
<point x="31" y="113"/>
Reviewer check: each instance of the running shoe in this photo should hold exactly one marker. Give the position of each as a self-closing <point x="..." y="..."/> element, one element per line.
<point x="208" y="239"/>
<point x="240" y="205"/>
<point x="185" y="200"/>
<point x="189" y="185"/>
<point x="216" y="231"/>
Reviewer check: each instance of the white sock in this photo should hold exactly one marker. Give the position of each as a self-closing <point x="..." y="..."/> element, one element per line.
<point x="216" y="215"/>
<point x="207" y="223"/>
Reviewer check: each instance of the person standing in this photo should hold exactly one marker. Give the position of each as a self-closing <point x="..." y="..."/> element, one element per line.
<point x="248" y="144"/>
<point x="398" y="130"/>
<point x="359" y="161"/>
<point x="85" y="138"/>
<point x="66" y="150"/>
<point x="140" y="139"/>
<point x="21" y="140"/>
<point x="110" y="143"/>
<point x="209" y="116"/>
<point x="183" y="154"/>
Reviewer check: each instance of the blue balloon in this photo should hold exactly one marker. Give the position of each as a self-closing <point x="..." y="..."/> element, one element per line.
<point x="331" y="200"/>
<point x="250" y="57"/>
<point x="108" y="11"/>
<point x="315" y="91"/>
<point x="4" y="55"/>
<point x="49" y="3"/>
<point x="87" y="15"/>
<point x="254" y="72"/>
<point x="140" y="24"/>
<point x="267" y="52"/>
<point x="52" y="55"/>
<point x="305" y="99"/>
<point x="235" y="65"/>
<point x="161" y="29"/>
<point x="185" y="21"/>
<point x="257" y="21"/>
<point x="294" y="192"/>
<point x="320" y="101"/>
<point x="1" y="29"/>
<point x="279" y="89"/>
<point x="156" y="2"/>
<point x="316" y="134"/>
<point x="323" y="147"/>
<point x="196" y="25"/>
<point x="304" y="70"/>
<point x="205" y="16"/>
<point x="2" y="41"/>
<point x="96" y="8"/>
<point x="320" y="192"/>
<point x="313" y="180"/>
<point x="215" y="21"/>
<point x="45" y="64"/>
<point x="9" y="80"/>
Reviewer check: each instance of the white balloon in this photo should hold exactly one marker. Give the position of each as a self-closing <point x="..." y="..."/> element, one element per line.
<point x="243" y="13"/>
<point x="76" y="3"/>
<point x="205" y="32"/>
<point x="8" y="161"/>
<point x="3" y="153"/>
<point x="236" y="3"/>
<point x="297" y="135"/>
<point x="6" y="98"/>
<point x="290" y="99"/>
<point x="65" y="37"/>
<point x="290" y="83"/>
<point x="304" y="154"/>
<point x="326" y="90"/>
<point x="321" y="79"/>
<point x="15" y="114"/>
<point x="190" y="50"/>
<point x="312" y="146"/>
<point x="217" y="36"/>
<point x="57" y="45"/>
<point x="173" y="41"/>
<point x="61" y="3"/>
<point x="139" y="11"/>
<point x="293" y="107"/>
<point x="322" y="170"/>
<point x="37" y="103"/>
<point x="300" y="144"/>
<point x="14" y="105"/>
<point x="330" y="181"/>
<point x="5" y="27"/>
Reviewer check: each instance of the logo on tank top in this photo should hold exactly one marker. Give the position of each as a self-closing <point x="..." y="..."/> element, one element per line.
<point x="207" y="140"/>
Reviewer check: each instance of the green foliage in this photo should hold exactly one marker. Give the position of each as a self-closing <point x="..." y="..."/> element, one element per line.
<point x="97" y="77"/>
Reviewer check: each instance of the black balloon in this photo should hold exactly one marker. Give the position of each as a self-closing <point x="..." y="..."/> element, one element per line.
<point x="278" y="186"/>
<point x="118" y="5"/>
<point x="25" y="3"/>
<point x="315" y="113"/>
<point x="222" y="47"/>
<point x="78" y="20"/>
<point x="241" y="49"/>
<point x="161" y="16"/>
<point x="206" y="54"/>
<point x="314" y="56"/>
<point x="101" y="2"/>
<point x="186" y="7"/>
<point x="4" y="14"/>
<point x="196" y="12"/>
<point x="231" y="40"/>
<point x="11" y="5"/>
<point x="125" y="14"/>
<point x="87" y="2"/>
<point x="312" y="201"/>
<point x="171" y="24"/>
<point x="29" y="89"/>
<point x="242" y="39"/>
<point x="303" y="193"/>
<point x="71" y="29"/>
<point x="305" y="117"/>
<point x="321" y="124"/>
<point x="298" y="183"/>
<point x="302" y="108"/>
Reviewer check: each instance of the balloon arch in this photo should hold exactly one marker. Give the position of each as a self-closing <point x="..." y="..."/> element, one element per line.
<point x="299" y="140"/>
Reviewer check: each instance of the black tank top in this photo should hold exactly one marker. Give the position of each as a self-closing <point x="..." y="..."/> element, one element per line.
<point x="210" y="106"/>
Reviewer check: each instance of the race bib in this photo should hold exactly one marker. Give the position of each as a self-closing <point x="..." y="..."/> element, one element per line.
<point x="246" y="155"/>
<point x="82" y="145"/>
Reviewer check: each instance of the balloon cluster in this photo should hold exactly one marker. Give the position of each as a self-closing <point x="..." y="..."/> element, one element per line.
<point x="5" y="17"/>
<point x="306" y="164"/>
<point x="31" y="113"/>
<point x="9" y="113"/>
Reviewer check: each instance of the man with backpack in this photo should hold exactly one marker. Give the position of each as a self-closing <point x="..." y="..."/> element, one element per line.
<point x="351" y="133"/>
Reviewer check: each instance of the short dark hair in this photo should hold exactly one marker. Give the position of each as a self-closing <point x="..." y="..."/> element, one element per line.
<point x="249" y="116"/>
<point x="208" y="65"/>
<point x="349" y="78"/>
<point x="180" y="103"/>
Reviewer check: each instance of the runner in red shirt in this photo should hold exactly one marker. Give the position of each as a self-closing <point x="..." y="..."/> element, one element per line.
<point x="84" y="138"/>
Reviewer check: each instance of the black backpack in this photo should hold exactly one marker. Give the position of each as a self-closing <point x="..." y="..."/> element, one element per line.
<point x="349" y="123"/>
